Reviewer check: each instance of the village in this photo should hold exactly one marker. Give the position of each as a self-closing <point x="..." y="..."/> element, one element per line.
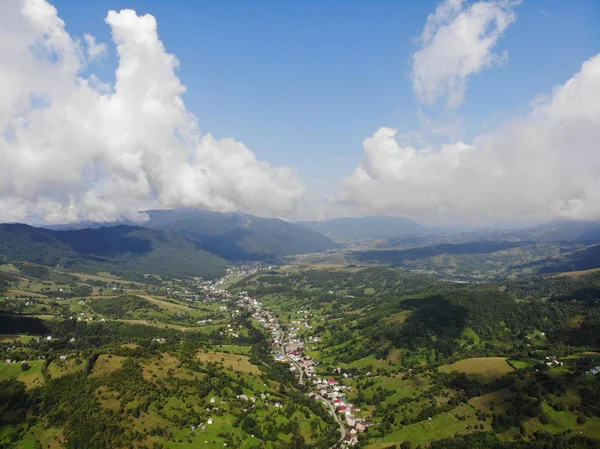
<point x="288" y="347"/>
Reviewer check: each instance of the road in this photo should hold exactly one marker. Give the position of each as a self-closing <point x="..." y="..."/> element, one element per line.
<point x="326" y="401"/>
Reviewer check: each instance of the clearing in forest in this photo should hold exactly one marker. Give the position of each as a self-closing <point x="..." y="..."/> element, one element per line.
<point x="483" y="368"/>
<point x="237" y="362"/>
<point x="107" y="364"/>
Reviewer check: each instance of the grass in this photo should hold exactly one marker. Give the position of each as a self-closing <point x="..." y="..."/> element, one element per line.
<point x="402" y="388"/>
<point x="578" y="274"/>
<point x="235" y="349"/>
<point x="31" y="378"/>
<point x="482" y="368"/>
<point x="562" y="421"/>
<point x="470" y="333"/>
<point x="491" y="400"/>
<point x="520" y="364"/>
<point x="168" y="306"/>
<point x="7" y="338"/>
<point x="237" y="362"/>
<point x="8" y="268"/>
<point x="440" y="426"/>
<point x="399" y="317"/>
<point x="369" y="362"/>
<point x="49" y="438"/>
<point x="59" y="368"/>
<point x="107" y="364"/>
<point x="160" y="368"/>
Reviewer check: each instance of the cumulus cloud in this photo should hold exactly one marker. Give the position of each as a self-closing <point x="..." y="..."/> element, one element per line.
<point x="458" y="41"/>
<point x="76" y="148"/>
<point x="542" y="166"/>
<point x="94" y="49"/>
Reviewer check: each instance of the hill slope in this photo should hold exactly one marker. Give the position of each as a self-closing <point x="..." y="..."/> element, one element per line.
<point x="364" y="228"/>
<point x="109" y="248"/>
<point x="238" y="236"/>
<point x="580" y="260"/>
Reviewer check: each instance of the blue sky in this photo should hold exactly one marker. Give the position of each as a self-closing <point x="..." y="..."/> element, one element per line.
<point x="304" y="83"/>
<point x="445" y="111"/>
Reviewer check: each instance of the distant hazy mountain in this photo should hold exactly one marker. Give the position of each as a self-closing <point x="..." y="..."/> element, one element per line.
<point x="239" y="236"/>
<point x="365" y="228"/>
<point x="557" y="230"/>
<point x="121" y="247"/>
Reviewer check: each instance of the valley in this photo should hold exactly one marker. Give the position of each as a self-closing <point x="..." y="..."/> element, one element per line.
<point x="317" y="350"/>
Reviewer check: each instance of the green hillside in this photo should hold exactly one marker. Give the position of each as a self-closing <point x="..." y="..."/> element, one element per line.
<point x="581" y="260"/>
<point x="120" y="248"/>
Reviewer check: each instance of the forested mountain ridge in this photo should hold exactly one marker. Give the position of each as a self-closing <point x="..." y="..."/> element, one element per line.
<point x="239" y="236"/>
<point x="234" y="236"/>
<point x="580" y="260"/>
<point x="119" y="248"/>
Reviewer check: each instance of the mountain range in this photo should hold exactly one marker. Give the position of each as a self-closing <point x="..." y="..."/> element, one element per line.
<point x="239" y="236"/>
<point x="116" y="248"/>
<point x="197" y="242"/>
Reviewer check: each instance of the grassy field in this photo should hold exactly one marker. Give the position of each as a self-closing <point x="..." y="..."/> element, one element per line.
<point x="493" y="400"/>
<point x="520" y="364"/>
<point x="169" y="306"/>
<point x="399" y="317"/>
<point x="562" y="421"/>
<point x="578" y="274"/>
<point x="161" y="367"/>
<point x="58" y="368"/>
<point x="441" y="426"/>
<point x="107" y="364"/>
<point x="482" y="368"/>
<point x="237" y="362"/>
<point x="7" y="338"/>
<point x="396" y="388"/>
<point x="8" y="268"/>
<point x="32" y="377"/>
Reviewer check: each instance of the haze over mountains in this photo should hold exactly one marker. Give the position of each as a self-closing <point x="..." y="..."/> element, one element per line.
<point x="175" y="243"/>
<point x="364" y="228"/>
<point x="199" y="242"/>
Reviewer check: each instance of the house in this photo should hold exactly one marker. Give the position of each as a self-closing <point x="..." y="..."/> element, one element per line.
<point x="212" y="400"/>
<point x="210" y="421"/>
<point x="332" y="381"/>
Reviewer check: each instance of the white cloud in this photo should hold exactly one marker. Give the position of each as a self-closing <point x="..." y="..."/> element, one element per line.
<point x="457" y="41"/>
<point x="542" y="166"/>
<point x="94" y="49"/>
<point x="73" y="148"/>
